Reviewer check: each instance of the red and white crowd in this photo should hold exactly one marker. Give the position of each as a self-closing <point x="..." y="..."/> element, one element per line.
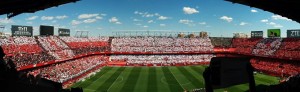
<point x="267" y="47"/>
<point x="62" y="72"/>
<point x="245" y="45"/>
<point x="161" y="59"/>
<point x="24" y="51"/>
<point x="87" y="45"/>
<point x="34" y="50"/>
<point x="56" y="47"/>
<point x="161" y="44"/>
<point x="281" y="68"/>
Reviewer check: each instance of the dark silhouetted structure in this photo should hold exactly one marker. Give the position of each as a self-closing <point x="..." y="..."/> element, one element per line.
<point x="228" y="71"/>
<point x="13" y="81"/>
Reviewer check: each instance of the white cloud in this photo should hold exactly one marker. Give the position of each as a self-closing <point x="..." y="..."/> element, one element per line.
<point x="145" y="26"/>
<point x="162" y="18"/>
<point x="185" y="21"/>
<point x="54" y="21"/>
<point x="254" y="11"/>
<point x="6" y="21"/>
<point x="243" y="23"/>
<point x="271" y="23"/>
<point x="136" y="12"/>
<point x="278" y="17"/>
<point x="32" y="18"/>
<point x="118" y="22"/>
<point x="61" y="17"/>
<point x="89" y="20"/>
<point x="136" y="20"/>
<point x="98" y="17"/>
<point x="114" y="20"/>
<point x="156" y="14"/>
<point x="87" y="16"/>
<point x="146" y="14"/>
<point x="189" y="10"/>
<point x="150" y="21"/>
<point x="162" y="25"/>
<point x="29" y="22"/>
<point x="226" y="18"/>
<point x="47" y="18"/>
<point x="275" y="25"/>
<point x="202" y="23"/>
<point x="278" y="26"/>
<point x="75" y="22"/>
<point x="264" y="20"/>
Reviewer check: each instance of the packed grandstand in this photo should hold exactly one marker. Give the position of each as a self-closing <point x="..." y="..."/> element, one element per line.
<point x="69" y="59"/>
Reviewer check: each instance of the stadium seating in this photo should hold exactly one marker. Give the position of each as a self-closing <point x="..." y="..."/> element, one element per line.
<point x="161" y="59"/>
<point x="275" y="67"/>
<point x="64" y="71"/>
<point x="161" y="44"/>
<point x="26" y="51"/>
<point x="245" y="45"/>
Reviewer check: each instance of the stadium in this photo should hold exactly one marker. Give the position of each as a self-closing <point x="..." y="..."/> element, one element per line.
<point x="147" y="61"/>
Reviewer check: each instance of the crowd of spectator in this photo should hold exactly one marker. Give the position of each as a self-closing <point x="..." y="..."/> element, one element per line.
<point x="245" y="45"/>
<point x="290" y="48"/>
<point x="276" y="67"/>
<point x="221" y="42"/>
<point x="161" y="59"/>
<point x="29" y="51"/>
<point x="267" y="47"/>
<point x="62" y="72"/>
<point x="55" y="47"/>
<point x="161" y="44"/>
<point x="86" y="45"/>
<point x="24" y="51"/>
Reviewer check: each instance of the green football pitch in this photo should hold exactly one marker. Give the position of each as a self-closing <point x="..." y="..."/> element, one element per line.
<point x="156" y="79"/>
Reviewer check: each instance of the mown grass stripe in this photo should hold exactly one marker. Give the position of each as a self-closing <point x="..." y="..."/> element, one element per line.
<point x="100" y="80"/>
<point x="120" y="81"/>
<point x="181" y="79"/>
<point x="173" y="83"/>
<point x="152" y="83"/>
<point x="142" y="81"/>
<point x="111" y="80"/>
<point x="89" y="81"/>
<point x="190" y="77"/>
<point x="197" y="76"/>
<point x="162" y="85"/>
<point x="132" y="79"/>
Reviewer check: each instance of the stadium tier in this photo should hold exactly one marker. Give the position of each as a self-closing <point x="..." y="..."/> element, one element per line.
<point x="66" y="59"/>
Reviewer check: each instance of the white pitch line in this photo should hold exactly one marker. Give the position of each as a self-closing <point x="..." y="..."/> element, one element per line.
<point x="98" y="78"/>
<point x="89" y="77"/>
<point x="176" y="79"/>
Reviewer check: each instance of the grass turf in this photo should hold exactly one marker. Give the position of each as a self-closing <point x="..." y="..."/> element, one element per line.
<point x="156" y="79"/>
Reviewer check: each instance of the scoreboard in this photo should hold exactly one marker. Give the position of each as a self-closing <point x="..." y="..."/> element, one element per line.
<point x="295" y="33"/>
<point x="63" y="32"/>
<point x="273" y="32"/>
<point x="18" y="30"/>
<point x="46" y="30"/>
<point x="257" y="34"/>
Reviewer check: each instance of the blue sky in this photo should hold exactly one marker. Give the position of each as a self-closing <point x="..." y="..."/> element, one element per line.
<point x="217" y="17"/>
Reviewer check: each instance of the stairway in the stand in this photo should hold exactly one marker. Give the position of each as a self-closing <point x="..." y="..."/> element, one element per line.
<point x="39" y="44"/>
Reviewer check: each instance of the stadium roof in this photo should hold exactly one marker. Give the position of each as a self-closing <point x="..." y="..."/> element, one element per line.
<point x="16" y="7"/>
<point x="287" y="8"/>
